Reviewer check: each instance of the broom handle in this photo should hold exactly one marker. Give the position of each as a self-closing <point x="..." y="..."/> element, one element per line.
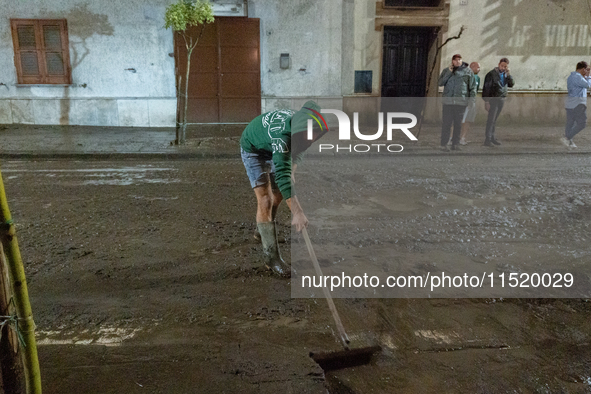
<point x="331" y="306"/>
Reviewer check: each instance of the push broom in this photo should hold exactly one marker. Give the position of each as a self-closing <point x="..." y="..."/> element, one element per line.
<point x="348" y="357"/>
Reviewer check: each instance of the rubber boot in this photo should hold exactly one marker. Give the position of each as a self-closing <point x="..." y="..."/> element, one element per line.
<point x="257" y="235"/>
<point x="273" y="260"/>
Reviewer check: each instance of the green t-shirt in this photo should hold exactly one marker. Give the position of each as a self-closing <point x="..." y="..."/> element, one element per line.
<point x="270" y="133"/>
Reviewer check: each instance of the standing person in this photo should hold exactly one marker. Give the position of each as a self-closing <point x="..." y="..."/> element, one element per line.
<point x="470" y="113"/>
<point x="267" y="146"/>
<point x="458" y="88"/>
<point x="576" y="103"/>
<point x="494" y="93"/>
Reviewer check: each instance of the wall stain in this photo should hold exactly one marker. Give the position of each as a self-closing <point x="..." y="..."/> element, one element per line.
<point x="82" y="25"/>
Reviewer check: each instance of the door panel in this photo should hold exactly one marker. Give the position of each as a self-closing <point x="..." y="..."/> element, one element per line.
<point x="204" y="85"/>
<point x="405" y="55"/>
<point x="240" y="32"/>
<point x="203" y="110"/>
<point x="225" y="81"/>
<point x="237" y="85"/>
<point x="204" y="59"/>
<point x="236" y="110"/>
<point x="240" y="59"/>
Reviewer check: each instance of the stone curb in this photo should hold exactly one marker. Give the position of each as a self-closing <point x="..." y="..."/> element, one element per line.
<point x="228" y="155"/>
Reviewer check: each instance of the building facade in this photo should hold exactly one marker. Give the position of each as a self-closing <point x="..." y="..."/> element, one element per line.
<point x="113" y="64"/>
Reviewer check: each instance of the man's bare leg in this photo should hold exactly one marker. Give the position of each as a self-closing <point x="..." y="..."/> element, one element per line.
<point x="268" y="232"/>
<point x="464" y="132"/>
<point x="262" y="194"/>
<point x="277" y="198"/>
<point x="265" y="198"/>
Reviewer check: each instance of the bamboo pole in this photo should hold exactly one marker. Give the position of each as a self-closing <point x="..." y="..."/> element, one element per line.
<point x="20" y="295"/>
<point x="10" y="363"/>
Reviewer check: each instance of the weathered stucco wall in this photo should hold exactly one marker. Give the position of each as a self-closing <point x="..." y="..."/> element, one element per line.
<point x="310" y="31"/>
<point x="123" y="75"/>
<point x="365" y="45"/>
<point x="107" y="40"/>
<point x="543" y="39"/>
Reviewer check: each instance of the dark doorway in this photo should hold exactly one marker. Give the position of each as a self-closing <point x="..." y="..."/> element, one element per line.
<point x="225" y="77"/>
<point x="405" y="60"/>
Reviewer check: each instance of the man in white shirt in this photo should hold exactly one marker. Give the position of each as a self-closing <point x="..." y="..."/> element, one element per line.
<point x="576" y="103"/>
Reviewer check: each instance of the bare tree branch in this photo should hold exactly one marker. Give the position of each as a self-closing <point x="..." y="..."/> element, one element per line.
<point x="422" y="115"/>
<point x="457" y="37"/>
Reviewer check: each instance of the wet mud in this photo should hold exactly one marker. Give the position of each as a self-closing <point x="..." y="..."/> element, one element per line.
<point x="145" y="278"/>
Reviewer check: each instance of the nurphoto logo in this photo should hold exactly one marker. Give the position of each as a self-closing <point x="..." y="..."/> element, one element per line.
<point x="392" y="123"/>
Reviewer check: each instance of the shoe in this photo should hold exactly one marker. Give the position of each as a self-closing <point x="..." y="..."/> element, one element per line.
<point x="449" y="142"/>
<point x="488" y="143"/>
<point x="455" y="147"/>
<point x="572" y="144"/>
<point x="444" y="148"/>
<point x="494" y="141"/>
<point x="272" y="258"/>
<point x="463" y="142"/>
<point x="565" y="141"/>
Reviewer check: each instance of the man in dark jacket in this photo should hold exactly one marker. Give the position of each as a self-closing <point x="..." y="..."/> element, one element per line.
<point x="494" y="93"/>
<point x="459" y="88"/>
<point x="267" y="146"/>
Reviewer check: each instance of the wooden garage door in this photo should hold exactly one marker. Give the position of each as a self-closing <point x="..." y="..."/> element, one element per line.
<point x="225" y="79"/>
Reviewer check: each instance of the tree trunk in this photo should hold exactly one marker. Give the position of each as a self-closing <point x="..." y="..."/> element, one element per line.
<point x="184" y="130"/>
<point x="179" y="114"/>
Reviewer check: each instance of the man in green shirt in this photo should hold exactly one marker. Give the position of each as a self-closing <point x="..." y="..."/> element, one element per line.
<point x="267" y="147"/>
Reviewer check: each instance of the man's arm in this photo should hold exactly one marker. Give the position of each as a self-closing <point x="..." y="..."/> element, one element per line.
<point x="283" y="178"/>
<point x="487" y="86"/>
<point x="583" y="82"/>
<point x="510" y="80"/>
<point x="282" y="162"/>
<point x="293" y="170"/>
<point x="444" y="77"/>
<point x="472" y="86"/>
<point x="299" y="220"/>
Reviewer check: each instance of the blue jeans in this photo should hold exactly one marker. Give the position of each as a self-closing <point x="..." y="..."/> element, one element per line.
<point x="576" y="120"/>
<point x="259" y="168"/>
<point x="496" y="106"/>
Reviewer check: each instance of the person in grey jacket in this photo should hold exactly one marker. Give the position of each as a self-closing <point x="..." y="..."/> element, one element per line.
<point x="576" y="103"/>
<point x="494" y="92"/>
<point x="459" y="88"/>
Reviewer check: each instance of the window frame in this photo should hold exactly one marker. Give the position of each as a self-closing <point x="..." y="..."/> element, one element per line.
<point x="439" y="5"/>
<point x="43" y="77"/>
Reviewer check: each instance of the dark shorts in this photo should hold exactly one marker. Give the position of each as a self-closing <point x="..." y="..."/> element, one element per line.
<point x="259" y="168"/>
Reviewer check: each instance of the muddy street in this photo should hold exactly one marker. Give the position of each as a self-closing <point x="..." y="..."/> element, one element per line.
<point x="144" y="275"/>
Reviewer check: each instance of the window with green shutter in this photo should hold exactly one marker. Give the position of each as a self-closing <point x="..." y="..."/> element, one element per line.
<point x="41" y="54"/>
